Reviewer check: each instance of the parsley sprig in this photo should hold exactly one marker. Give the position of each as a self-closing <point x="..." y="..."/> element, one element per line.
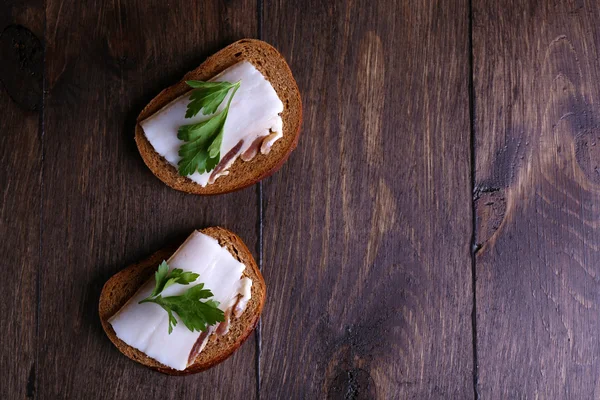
<point x="202" y="148"/>
<point x="195" y="314"/>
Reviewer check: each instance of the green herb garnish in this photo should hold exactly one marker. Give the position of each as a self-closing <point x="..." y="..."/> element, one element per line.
<point x="202" y="148"/>
<point x="195" y="314"/>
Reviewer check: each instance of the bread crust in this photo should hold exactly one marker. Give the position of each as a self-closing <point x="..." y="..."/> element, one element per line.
<point x="124" y="284"/>
<point x="241" y="174"/>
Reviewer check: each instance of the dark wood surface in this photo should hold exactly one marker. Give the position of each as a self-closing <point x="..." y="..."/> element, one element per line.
<point x="363" y="253"/>
<point x="537" y="151"/>
<point x="102" y="208"/>
<point x="449" y="163"/>
<point x="20" y="172"/>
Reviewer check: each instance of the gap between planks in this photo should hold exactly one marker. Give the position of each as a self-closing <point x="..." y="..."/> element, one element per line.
<point x="473" y="249"/>
<point x="258" y="332"/>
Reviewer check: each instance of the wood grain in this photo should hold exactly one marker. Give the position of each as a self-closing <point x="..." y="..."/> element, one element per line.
<point x="103" y="209"/>
<point x="537" y="124"/>
<point x="21" y="65"/>
<point x="367" y="227"/>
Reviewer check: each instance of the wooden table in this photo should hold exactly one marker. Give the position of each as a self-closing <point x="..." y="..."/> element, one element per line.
<point x="435" y="235"/>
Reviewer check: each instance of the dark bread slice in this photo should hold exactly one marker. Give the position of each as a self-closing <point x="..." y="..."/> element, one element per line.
<point x="242" y="174"/>
<point x="124" y="284"/>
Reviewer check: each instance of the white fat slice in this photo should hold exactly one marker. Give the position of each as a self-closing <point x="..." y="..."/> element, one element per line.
<point x="145" y="326"/>
<point x="253" y="114"/>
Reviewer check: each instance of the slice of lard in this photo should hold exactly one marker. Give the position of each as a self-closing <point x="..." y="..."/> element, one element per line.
<point x="146" y="327"/>
<point x="253" y="114"/>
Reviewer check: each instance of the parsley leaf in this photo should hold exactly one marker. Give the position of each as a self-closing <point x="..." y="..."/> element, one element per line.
<point x="200" y="138"/>
<point x="160" y="276"/>
<point x="164" y="279"/>
<point x="207" y="96"/>
<point x="195" y="314"/>
<point x="202" y="147"/>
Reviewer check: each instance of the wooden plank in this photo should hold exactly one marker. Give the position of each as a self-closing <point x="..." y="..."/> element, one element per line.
<point x="103" y="209"/>
<point x="21" y="70"/>
<point x="368" y="225"/>
<point x="537" y="101"/>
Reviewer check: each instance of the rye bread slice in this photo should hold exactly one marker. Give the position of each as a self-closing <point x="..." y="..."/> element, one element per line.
<point x="241" y="174"/>
<point x="123" y="285"/>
